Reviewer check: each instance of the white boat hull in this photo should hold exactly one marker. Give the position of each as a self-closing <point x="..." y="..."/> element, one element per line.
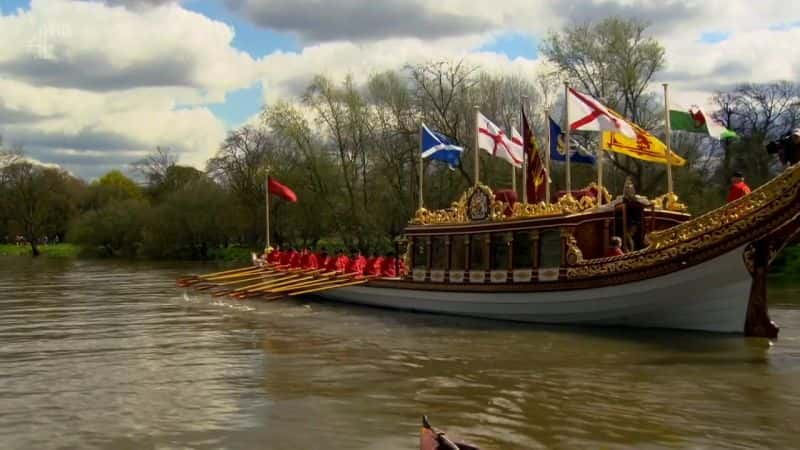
<point x="711" y="296"/>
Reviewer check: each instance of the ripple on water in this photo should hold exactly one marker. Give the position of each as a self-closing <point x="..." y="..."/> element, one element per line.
<point x="112" y="355"/>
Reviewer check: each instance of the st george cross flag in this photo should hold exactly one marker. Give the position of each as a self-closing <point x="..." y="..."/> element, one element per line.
<point x="494" y="141"/>
<point x="437" y="146"/>
<point x="558" y="148"/>
<point x="587" y="114"/>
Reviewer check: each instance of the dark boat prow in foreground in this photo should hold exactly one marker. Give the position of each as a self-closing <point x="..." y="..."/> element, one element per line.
<point x="433" y="439"/>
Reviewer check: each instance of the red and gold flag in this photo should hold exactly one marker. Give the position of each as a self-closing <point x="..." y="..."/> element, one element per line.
<point x="536" y="182"/>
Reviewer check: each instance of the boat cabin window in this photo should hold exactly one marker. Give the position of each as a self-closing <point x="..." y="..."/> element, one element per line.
<point x="522" y="250"/>
<point x="438" y="253"/>
<point x="479" y="256"/>
<point x="420" y="253"/>
<point x="499" y="249"/>
<point x="458" y="255"/>
<point x="550" y="248"/>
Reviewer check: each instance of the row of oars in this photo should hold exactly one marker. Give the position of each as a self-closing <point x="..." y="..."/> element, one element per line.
<point x="271" y="283"/>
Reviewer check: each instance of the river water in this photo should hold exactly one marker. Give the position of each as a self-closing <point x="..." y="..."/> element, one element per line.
<point x="112" y="355"/>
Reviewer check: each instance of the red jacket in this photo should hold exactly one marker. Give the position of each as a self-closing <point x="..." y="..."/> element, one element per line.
<point x="738" y="190"/>
<point x="341" y="263"/>
<point x="614" y="251"/>
<point x="357" y="265"/>
<point x="387" y="268"/>
<point x="295" y="260"/>
<point x="286" y="257"/>
<point x="373" y="266"/>
<point x="274" y="257"/>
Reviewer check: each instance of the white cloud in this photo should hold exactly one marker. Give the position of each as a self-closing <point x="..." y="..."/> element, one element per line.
<point x="88" y="76"/>
<point x="95" y="84"/>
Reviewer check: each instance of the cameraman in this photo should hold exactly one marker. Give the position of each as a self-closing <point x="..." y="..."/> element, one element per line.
<point x="787" y="148"/>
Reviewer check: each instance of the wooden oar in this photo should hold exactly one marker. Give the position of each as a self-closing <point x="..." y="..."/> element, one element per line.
<point x="291" y="282"/>
<point x="216" y="274"/>
<point x="329" y="287"/>
<point x="315" y="281"/>
<point x="267" y="283"/>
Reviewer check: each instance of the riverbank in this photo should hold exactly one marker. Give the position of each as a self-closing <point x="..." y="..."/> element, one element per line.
<point x="67" y="250"/>
<point x="52" y="250"/>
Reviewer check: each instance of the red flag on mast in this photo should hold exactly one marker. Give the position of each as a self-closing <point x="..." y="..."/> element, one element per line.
<point x="281" y="190"/>
<point x="536" y="182"/>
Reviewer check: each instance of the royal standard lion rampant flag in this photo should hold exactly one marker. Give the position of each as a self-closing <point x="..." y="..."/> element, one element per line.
<point x="645" y="146"/>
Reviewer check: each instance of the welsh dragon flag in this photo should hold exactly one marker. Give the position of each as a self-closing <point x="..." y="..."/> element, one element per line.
<point x="695" y="120"/>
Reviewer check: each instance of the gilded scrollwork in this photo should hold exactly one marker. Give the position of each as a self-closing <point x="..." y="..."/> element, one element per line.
<point x="705" y="232"/>
<point x="468" y="208"/>
<point x="669" y="202"/>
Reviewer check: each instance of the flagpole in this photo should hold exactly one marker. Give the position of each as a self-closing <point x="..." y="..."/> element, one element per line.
<point x="668" y="136"/>
<point x="421" y="170"/>
<point x="477" y="155"/>
<point x="266" y="193"/>
<point x="547" y="155"/>
<point x="524" y="151"/>
<point x="600" y="155"/>
<point x="514" y="178"/>
<point x="567" y="142"/>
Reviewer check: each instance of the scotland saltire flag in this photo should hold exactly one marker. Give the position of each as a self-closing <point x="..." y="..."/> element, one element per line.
<point x="558" y="149"/>
<point x="437" y="146"/>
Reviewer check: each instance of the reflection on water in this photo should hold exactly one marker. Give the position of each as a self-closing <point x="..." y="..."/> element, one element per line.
<point x="112" y="355"/>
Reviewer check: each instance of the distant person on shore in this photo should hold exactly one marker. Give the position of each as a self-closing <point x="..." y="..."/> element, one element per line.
<point x="738" y="187"/>
<point x="615" y="247"/>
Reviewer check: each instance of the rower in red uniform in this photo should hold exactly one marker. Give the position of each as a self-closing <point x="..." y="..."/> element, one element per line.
<point x="357" y="263"/>
<point x="274" y="257"/>
<point x="341" y="262"/>
<point x="286" y="256"/>
<point x="332" y="261"/>
<point x="295" y="259"/>
<point x="738" y="187"/>
<point x="373" y="266"/>
<point x="388" y="266"/>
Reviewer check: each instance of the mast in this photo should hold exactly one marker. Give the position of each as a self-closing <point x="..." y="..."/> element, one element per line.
<point x="477" y="150"/>
<point x="567" y="141"/>
<point x="547" y="155"/>
<point x="522" y="125"/>
<point x="600" y="155"/>
<point x="668" y="129"/>
<point x="266" y="193"/>
<point x="421" y="170"/>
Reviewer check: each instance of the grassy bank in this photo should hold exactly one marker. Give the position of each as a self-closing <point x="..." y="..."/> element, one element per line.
<point x="51" y="250"/>
<point x="65" y="250"/>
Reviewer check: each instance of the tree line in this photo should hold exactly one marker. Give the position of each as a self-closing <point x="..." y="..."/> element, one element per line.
<point x="351" y="153"/>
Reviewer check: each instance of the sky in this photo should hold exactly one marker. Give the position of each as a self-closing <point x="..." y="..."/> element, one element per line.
<point x="93" y="85"/>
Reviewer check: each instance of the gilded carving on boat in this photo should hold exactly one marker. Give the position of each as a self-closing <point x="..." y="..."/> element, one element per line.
<point x="669" y="202"/>
<point x="705" y="232"/>
<point x="470" y="207"/>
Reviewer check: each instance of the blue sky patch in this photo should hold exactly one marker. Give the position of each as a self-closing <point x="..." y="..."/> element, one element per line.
<point x="513" y="45"/>
<point x="239" y="105"/>
<point x="712" y="37"/>
<point x="257" y="42"/>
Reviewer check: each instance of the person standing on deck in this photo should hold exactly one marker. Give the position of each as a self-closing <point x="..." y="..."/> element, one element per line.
<point x="615" y="249"/>
<point x="738" y="187"/>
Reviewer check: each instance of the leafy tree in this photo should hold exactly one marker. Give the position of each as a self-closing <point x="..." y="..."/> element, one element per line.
<point x="114" y="229"/>
<point x="38" y="200"/>
<point x="111" y="187"/>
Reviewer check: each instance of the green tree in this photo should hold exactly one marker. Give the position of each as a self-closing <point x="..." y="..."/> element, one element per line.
<point x="114" y="229"/>
<point x="111" y="187"/>
<point x="38" y="200"/>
